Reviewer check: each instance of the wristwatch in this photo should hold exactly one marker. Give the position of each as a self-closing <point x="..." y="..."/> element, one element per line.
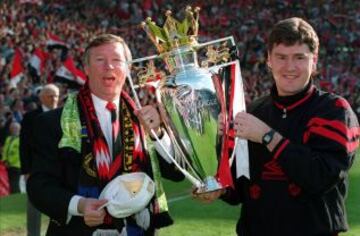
<point x="268" y="137"/>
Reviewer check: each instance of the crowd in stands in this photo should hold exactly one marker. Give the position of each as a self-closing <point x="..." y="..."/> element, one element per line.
<point x="30" y="25"/>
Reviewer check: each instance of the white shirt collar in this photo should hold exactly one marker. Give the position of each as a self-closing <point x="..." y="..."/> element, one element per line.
<point x="100" y="104"/>
<point x="44" y="108"/>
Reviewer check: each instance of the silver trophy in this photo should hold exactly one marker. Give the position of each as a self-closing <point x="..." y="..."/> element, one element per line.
<point x="191" y="92"/>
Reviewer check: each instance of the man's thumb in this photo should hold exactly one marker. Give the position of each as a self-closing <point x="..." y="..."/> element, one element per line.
<point x="100" y="203"/>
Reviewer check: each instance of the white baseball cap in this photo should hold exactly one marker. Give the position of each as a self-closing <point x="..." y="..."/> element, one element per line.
<point x="128" y="194"/>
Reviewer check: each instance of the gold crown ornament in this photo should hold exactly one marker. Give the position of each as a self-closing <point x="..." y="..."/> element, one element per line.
<point x="174" y="33"/>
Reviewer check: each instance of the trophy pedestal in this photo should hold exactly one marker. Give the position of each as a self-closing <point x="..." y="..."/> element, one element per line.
<point x="210" y="184"/>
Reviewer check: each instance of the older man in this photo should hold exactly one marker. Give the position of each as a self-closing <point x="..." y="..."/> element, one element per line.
<point x="93" y="139"/>
<point x="49" y="97"/>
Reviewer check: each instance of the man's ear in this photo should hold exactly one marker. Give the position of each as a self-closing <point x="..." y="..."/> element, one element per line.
<point x="86" y="70"/>
<point x="268" y="63"/>
<point x="315" y="61"/>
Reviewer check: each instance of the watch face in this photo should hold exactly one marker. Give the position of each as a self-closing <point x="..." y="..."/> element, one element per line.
<point x="268" y="137"/>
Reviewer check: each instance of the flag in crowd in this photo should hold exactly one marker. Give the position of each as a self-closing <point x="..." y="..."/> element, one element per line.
<point x="37" y="61"/>
<point x="54" y="41"/>
<point x="17" y="70"/>
<point x="69" y="73"/>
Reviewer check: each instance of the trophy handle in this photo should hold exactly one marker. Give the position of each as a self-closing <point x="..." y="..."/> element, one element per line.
<point x="239" y="143"/>
<point x="194" y="181"/>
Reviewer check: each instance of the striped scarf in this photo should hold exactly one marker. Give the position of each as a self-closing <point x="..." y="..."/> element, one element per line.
<point x="128" y="151"/>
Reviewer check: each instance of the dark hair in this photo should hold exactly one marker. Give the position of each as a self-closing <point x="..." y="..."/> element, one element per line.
<point x="291" y="31"/>
<point x="105" y="39"/>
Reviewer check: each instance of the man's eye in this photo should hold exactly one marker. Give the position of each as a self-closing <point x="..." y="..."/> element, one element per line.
<point x="300" y="57"/>
<point x="118" y="60"/>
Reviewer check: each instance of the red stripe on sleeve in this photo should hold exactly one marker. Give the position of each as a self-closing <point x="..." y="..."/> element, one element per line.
<point x="281" y="148"/>
<point x="350" y="133"/>
<point x="325" y="132"/>
<point x="342" y="103"/>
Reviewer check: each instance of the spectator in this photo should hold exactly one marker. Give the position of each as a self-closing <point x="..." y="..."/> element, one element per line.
<point x="17" y="108"/>
<point x="11" y="156"/>
<point x="48" y="96"/>
<point x="245" y="20"/>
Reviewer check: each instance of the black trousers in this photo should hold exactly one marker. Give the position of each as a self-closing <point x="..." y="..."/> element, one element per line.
<point x="33" y="220"/>
<point x="14" y="177"/>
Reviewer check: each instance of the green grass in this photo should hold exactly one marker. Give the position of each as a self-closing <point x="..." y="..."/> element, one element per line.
<point x="353" y="200"/>
<point x="13" y="215"/>
<point x="196" y="219"/>
<point x="191" y="217"/>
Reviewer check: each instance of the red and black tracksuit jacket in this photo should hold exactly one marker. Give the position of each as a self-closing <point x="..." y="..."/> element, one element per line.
<point x="300" y="188"/>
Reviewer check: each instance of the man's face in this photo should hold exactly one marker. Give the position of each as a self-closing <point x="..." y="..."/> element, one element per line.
<point x="106" y="70"/>
<point x="50" y="99"/>
<point x="291" y="67"/>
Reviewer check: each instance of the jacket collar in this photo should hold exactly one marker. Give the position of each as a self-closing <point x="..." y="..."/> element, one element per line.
<point x="287" y="103"/>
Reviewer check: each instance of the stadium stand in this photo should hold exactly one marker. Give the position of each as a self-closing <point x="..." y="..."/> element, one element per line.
<point x="43" y="41"/>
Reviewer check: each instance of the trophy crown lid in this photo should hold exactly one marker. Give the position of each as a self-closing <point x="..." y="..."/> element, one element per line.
<point x="173" y="33"/>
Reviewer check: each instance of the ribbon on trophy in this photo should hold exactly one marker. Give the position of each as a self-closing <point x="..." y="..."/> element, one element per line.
<point x="236" y="103"/>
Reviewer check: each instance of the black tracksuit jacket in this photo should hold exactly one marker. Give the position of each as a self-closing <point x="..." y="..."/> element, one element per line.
<point x="300" y="188"/>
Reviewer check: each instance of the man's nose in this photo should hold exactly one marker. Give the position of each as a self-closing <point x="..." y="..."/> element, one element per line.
<point x="109" y="65"/>
<point x="291" y="64"/>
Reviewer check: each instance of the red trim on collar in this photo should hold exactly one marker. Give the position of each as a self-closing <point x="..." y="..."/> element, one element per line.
<point x="301" y="101"/>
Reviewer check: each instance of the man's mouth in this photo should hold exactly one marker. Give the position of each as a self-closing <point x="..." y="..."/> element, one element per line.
<point x="109" y="78"/>
<point x="109" y="81"/>
<point x="290" y="77"/>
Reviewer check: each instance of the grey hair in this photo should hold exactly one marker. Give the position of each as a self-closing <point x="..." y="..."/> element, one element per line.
<point x="49" y="87"/>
